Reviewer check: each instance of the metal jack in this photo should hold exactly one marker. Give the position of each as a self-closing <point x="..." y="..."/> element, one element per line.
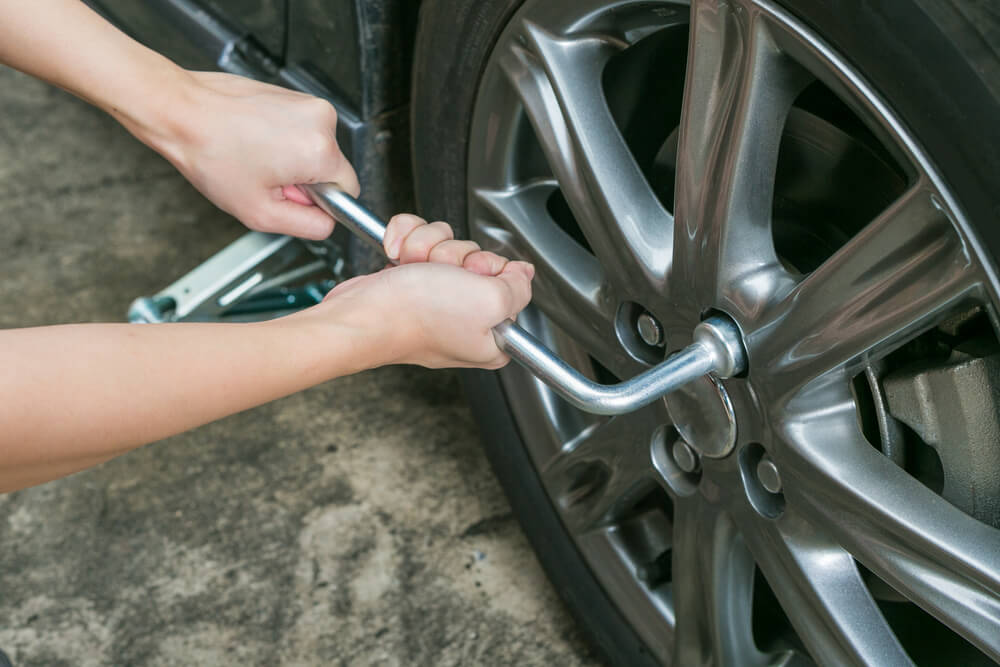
<point x="259" y="276"/>
<point x="717" y="346"/>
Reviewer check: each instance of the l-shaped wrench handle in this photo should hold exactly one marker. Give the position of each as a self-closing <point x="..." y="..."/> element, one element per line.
<point x="717" y="346"/>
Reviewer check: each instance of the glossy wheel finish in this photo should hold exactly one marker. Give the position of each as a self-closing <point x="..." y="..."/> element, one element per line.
<point x="543" y="128"/>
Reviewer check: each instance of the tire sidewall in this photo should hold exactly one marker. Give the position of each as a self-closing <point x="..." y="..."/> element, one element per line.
<point x="454" y="41"/>
<point x="919" y="64"/>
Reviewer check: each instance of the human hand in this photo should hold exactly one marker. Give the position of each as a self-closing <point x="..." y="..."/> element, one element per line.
<point x="437" y="308"/>
<point x="246" y="144"/>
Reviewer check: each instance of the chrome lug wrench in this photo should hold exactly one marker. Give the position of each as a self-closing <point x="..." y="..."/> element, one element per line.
<point x="717" y="346"/>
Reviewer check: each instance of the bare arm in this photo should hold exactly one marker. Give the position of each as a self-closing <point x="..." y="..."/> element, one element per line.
<point x="75" y="395"/>
<point x="242" y="143"/>
<point x="68" y="44"/>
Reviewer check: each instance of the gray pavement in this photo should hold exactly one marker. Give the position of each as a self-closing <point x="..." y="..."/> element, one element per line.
<point x="355" y="523"/>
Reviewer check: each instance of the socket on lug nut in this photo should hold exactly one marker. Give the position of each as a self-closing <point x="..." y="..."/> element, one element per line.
<point x="685" y="457"/>
<point x="650" y="330"/>
<point x="768" y="476"/>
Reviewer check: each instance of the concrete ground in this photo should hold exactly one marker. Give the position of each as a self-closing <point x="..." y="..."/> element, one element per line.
<point x="356" y="523"/>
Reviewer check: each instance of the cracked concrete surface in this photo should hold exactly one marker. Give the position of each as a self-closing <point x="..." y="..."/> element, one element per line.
<point x="355" y="523"/>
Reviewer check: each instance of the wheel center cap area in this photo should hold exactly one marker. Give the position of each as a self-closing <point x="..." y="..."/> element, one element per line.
<point x="703" y="415"/>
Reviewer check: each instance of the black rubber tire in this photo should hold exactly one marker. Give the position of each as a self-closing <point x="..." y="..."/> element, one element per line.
<point x="937" y="64"/>
<point x="454" y="39"/>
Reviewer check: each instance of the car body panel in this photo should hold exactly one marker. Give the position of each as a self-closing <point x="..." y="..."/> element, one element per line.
<point x="347" y="51"/>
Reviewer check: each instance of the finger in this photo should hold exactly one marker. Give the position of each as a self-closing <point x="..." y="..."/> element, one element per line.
<point x="485" y="263"/>
<point x="452" y="252"/>
<point x="517" y="278"/>
<point x="397" y="230"/>
<point x="331" y="164"/>
<point x="288" y="217"/>
<point x="418" y="244"/>
<point x="345" y="176"/>
<point x="294" y="193"/>
<point x="498" y="363"/>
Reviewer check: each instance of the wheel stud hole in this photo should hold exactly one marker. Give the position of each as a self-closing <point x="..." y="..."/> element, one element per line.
<point x="640" y="333"/>
<point x="762" y="480"/>
<point x="678" y="464"/>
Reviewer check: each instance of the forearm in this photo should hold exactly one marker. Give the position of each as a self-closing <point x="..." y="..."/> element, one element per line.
<point x="69" y="45"/>
<point x="72" y="396"/>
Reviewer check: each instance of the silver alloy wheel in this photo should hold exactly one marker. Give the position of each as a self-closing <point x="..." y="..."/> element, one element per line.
<point x="675" y="541"/>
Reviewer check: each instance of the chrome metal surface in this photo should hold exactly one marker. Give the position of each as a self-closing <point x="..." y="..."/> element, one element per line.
<point x="649" y="330"/>
<point x="684" y="456"/>
<point x="717" y="347"/>
<point x="767" y="473"/>
<point x="245" y="269"/>
<point x="349" y="212"/>
<point x="629" y="177"/>
<point x="703" y="415"/>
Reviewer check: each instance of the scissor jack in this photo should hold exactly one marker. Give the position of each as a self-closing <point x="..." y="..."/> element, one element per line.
<point x="256" y="277"/>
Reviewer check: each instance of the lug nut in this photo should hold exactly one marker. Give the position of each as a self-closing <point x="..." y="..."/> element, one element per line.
<point x="768" y="476"/>
<point x="650" y="330"/>
<point x="685" y="457"/>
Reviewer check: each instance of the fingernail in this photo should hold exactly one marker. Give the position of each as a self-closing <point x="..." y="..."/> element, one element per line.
<point x="394" y="248"/>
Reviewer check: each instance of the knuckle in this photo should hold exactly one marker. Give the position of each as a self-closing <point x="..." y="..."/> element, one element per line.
<point x="467" y="247"/>
<point x="453" y="252"/>
<point x="443" y="229"/>
<point x="422" y="246"/>
<point x="323" y="109"/>
<point x="407" y="220"/>
<point x="415" y="250"/>
<point x="322" y="152"/>
<point x="442" y="254"/>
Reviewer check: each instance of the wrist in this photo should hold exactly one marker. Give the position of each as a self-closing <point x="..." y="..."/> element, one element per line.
<point x="162" y="115"/>
<point x="343" y="335"/>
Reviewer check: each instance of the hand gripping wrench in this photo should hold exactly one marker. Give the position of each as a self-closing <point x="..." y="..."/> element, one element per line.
<point x="717" y="346"/>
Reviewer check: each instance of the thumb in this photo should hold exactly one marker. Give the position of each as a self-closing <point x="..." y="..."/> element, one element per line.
<point x="517" y="278"/>
<point x="294" y="219"/>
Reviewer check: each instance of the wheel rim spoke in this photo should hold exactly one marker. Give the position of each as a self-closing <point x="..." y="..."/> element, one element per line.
<point x="601" y="472"/>
<point x="738" y="91"/>
<point x="828" y="602"/>
<point x="712" y="588"/>
<point x="870" y="296"/>
<point x="569" y="286"/>
<point x="559" y="82"/>
<point x="543" y="126"/>
<point x="920" y="544"/>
